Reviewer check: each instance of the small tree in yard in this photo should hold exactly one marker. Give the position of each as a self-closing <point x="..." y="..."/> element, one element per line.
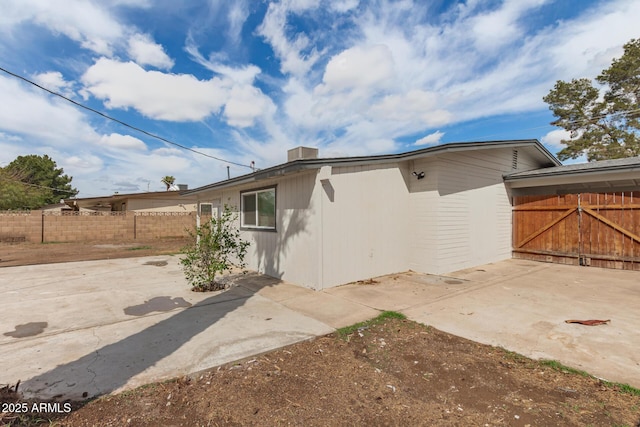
<point x="216" y="243"/>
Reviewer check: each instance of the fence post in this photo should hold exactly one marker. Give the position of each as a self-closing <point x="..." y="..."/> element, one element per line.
<point x="35" y="227"/>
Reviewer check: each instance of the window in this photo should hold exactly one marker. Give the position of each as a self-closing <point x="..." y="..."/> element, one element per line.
<point x="259" y="209"/>
<point x="206" y="208"/>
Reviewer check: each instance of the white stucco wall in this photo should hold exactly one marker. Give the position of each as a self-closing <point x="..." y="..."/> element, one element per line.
<point x="364" y="227"/>
<point x="290" y="252"/>
<point x="462" y="210"/>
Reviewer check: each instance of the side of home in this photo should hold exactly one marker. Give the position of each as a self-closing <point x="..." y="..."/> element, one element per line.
<point x="325" y="222"/>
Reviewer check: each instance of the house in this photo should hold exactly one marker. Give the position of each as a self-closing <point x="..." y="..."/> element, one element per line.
<point x="61" y="207"/>
<point x="156" y="201"/>
<point x="325" y="222"/>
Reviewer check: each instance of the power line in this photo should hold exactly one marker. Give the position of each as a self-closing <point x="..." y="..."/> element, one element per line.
<point x="39" y="186"/>
<point x="586" y="120"/>
<point x="106" y="116"/>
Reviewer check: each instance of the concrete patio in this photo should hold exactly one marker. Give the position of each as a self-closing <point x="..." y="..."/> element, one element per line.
<point x="82" y="329"/>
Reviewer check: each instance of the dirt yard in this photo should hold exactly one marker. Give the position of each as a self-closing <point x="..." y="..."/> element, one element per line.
<point x="14" y="254"/>
<point x="386" y="372"/>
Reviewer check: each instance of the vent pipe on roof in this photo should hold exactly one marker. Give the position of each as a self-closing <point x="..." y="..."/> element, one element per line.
<point x="301" y="153"/>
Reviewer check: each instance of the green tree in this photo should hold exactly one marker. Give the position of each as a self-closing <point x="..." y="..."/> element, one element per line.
<point x="30" y="182"/>
<point x="168" y="181"/>
<point x="216" y="245"/>
<point x="601" y="125"/>
<point x="15" y="194"/>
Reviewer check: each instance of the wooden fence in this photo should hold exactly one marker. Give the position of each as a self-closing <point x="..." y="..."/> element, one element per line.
<point x="597" y="229"/>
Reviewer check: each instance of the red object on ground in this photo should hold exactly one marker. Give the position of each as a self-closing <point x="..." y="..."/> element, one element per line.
<point x="589" y="322"/>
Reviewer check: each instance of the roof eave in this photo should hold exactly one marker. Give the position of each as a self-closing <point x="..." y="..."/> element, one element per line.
<point x="310" y="164"/>
<point x="563" y="173"/>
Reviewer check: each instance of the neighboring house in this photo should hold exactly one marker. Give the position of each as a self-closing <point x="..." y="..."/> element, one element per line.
<point x="325" y="222"/>
<point x="57" y="207"/>
<point x="157" y="201"/>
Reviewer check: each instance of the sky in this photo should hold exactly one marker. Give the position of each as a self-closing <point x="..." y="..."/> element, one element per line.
<point x="246" y="80"/>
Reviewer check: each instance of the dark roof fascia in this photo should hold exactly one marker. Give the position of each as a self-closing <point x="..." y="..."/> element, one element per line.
<point x="560" y="171"/>
<point x="310" y="164"/>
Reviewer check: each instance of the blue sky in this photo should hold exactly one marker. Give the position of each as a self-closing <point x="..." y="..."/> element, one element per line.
<point x="246" y="80"/>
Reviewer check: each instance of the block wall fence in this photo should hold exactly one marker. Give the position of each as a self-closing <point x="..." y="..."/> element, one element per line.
<point x="43" y="226"/>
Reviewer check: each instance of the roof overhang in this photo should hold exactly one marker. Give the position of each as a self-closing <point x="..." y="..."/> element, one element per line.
<point x="564" y="181"/>
<point x="542" y="155"/>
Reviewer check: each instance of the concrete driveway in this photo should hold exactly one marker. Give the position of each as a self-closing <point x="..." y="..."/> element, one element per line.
<point x="82" y="329"/>
<point x="87" y="328"/>
<point x="522" y="306"/>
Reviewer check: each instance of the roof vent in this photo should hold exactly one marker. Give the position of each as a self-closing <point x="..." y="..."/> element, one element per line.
<point x="514" y="160"/>
<point x="301" y="153"/>
<point x="183" y="187"/>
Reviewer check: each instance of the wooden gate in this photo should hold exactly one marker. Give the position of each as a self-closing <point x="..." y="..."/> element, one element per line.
<point x="597" y="229"/>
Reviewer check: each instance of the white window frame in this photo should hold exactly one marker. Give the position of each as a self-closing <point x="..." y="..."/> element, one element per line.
<point x="257" y="216"/>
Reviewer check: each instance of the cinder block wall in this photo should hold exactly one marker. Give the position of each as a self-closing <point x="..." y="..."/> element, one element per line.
<point x="164" y="224"/>
<point x="78" y="228"/>
<point x="21" y="226"/>
<point x="36" y="226"/>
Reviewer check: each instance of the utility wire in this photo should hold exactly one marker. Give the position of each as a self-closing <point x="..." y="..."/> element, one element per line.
<point x="38" y="186"/>
<point x="586" y="120"/>
<point x="152" y="135"/>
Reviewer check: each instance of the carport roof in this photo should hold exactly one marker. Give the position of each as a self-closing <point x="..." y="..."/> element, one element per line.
<point x="629" y="163"/>
<point x="604" y="175"/>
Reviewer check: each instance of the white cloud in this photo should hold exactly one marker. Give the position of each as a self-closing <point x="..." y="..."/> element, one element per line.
<point x="343" y="6"/>
<point x="94" y="25"/>
<point x="553" y="139"/>
<point x="172" y="97"/>
<point x="245" y="104"/>
<point x="81" y="164"/>
<point x="499" y="27"/>
<point x="244" y="74"/>
<point x="179" y="97"/>
<point x="358" y="67"/>
<point x="145" y="51"/>
<point x="237" y="16"/>
<point x="431" y="139"/>
<point x="126" y="142"/>
<point x="585" y="46"/>
<point x="415" y="106"/>
<point x="90" y="25"/>
<point x="30" y="113"/>
<point x="54" y="81"/>
<point x="293" y="60"/>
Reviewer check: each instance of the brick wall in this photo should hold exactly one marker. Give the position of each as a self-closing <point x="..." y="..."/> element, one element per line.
<point x="39" y="226"/>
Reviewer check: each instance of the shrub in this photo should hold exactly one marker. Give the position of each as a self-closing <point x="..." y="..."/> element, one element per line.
<point x="216" y="248"/>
